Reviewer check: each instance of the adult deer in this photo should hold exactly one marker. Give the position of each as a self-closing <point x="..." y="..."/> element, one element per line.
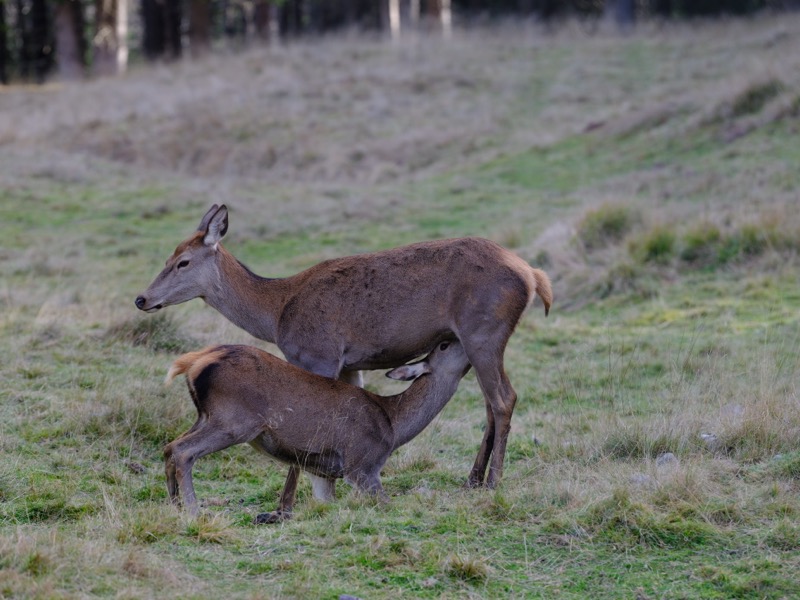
<point x="371" y="311"/>
<point x="326" y="427"/>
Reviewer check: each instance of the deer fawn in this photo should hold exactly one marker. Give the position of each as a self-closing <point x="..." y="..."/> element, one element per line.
<point x="327" y="427"/>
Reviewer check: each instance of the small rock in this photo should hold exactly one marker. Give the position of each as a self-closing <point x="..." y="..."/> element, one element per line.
<point x="215" y="501"/>
<point x="272" y="517"/>
<point x="424" y="491"/>
<point x="135" y="467"/>
<point x="641" y="479"/>
<point x="430" y="582"/>
<point x="640" y="595"/>
<point x="777" y="457"/>
<point x="711" y="440"/>
<point x="668" y="459"/>
<point x="348" y="597"/>
<point x="734" y="411"/>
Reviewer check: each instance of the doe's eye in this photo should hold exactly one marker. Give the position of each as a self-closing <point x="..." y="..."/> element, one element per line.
<point x="183" y="263"/>
<point x="444" y="345"/>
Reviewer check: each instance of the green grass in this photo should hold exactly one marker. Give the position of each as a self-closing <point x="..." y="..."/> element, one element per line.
<point x="672" y="244"/>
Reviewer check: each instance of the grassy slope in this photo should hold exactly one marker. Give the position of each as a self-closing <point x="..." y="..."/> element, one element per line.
<point x="529" y="140"/>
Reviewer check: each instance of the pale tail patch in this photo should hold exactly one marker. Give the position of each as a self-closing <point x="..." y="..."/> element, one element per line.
<point x="192" y="360"/>
<point x="543" y="288"/>
<point x="537" y="280"/>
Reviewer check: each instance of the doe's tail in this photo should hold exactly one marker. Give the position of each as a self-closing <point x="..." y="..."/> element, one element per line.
<point x="543" y="288"/>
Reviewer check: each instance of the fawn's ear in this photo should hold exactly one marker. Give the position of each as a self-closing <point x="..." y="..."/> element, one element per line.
<point x="409" y="372"/>
<point x="217" y="226"/>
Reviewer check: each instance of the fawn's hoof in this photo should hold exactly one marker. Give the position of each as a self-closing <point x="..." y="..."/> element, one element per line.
<point x="272" y="517"/>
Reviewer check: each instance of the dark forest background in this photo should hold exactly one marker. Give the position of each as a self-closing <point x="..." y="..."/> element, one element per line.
<point x="72" y="39"/>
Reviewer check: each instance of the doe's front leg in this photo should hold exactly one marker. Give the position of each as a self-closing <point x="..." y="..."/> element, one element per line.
<point x="368" y="482"/>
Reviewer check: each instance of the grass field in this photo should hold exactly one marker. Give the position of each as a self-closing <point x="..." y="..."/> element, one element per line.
<point x="655" y="448"/>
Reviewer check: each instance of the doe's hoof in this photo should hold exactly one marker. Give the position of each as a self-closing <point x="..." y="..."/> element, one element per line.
<point x="272" y="517"/>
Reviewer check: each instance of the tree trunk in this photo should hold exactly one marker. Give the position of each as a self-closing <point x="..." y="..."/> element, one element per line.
<point x="662" y="8"/>
<point x="446" y="17"/>
<point x="153" y="42"/>
<point x="292" y="13"/>
<point x="351" y="13"/>
<point x="162" y="28"/>
<point x="70" y="40"/>
<point x="390" y="17"/>
<point x="262" y="20"/>
<point x="35" y="50"/>
<point x="199" y="27"/>
<point x="622" y="13"/>
<point x="105" y="38"/>
<point x="110" y="40"/>
<point x="122" y="35"/>
<point x="4" y="58"/>
<point x="172" y="22"/>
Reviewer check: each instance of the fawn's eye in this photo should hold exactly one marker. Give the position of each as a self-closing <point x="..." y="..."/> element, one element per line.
<point x="444" y="345"/>
<point x="183" y="263"/>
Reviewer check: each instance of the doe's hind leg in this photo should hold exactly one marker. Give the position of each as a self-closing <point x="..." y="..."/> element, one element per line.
<point x="485" y="347"/>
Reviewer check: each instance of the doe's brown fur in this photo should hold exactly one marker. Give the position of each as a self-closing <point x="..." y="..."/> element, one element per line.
<point x="372" y="311"/>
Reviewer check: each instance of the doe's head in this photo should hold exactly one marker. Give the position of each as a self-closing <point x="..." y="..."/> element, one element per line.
<point x="188" y="272"/>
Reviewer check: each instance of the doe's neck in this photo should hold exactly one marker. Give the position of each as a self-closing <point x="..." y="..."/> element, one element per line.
<point x="249" y="301"/>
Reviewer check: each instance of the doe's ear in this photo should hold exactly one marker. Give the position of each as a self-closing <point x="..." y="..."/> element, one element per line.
<point x="409" y="372"/>
<point x="217" y="227"/>
<point x="207" y="217"/>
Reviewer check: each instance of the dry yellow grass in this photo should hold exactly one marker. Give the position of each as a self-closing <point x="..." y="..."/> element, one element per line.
<point x="351" y="110"/>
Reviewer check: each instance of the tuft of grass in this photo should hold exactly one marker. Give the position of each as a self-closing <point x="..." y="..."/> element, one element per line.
<point x="159" y="333"/>
<point x="138" y="565"/>
<point x="621" y="521"/>
<point x="606" y="225"/>
<point x="656" y="246"/>
<point x="784" y="536"/>
<point x="753" y="98"/>
<point x="472" y="569"/>
<point x="37" y="563"/>
<point x="394" y="553"/>
<point x="786" y="465"/>
<point x="314" y="510"/>
<point x="211" y="528"/>
<point x="49" y="499"/>
<point x="499" y="508"/>
<point x="705" y="245"/>
<point x="749" y="241"/>
<point x="644" y="440"/>
<point x="147" y="412"/>
<point x="148" y="524"/>
<point x="701" y="243"/>
<point x="766" y="427"/>
<point x="682" y="491"/>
